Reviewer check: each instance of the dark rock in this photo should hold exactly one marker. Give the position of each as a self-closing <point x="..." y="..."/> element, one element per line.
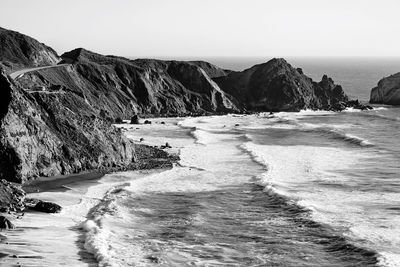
<point x="47" y="207"/>
<point x="357" y="105"/>
<point x="162" y="122"/>
<point x="135" y="119"/>
<point x="119" y="121"/>
<point x="153" y="259"/>
<point x="141" y="139"/>
<point x="339" y="106"/>
<point x="167" y="145"/>
<point x="387" y="91"/>
<point x="6" y="223"/>
<point x="147" y="122"/>
<point x="277" y="86"/>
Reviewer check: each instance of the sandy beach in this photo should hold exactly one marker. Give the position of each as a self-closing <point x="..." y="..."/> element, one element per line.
<point x="42" y="239"/>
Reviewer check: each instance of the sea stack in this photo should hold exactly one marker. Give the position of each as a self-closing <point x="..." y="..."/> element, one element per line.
<point x="387" y="92"/>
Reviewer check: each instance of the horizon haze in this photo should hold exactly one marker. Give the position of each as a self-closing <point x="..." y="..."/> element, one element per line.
<point x="192" y="28"/>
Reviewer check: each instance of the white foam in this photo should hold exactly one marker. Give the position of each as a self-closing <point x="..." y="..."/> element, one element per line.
<point x="304" y="173"/>
<point x="389" y="259"/>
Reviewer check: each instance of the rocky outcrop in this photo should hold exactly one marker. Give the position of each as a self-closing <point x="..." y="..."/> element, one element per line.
<point x="387" y="91"/>
<point x="277" y="86"/>
<point x="11" y="197"/>
<point x="5" y="223"/>
<point x="45" y="134"/>
<point x="48" y="207"/>
<point x="20" y="51"/>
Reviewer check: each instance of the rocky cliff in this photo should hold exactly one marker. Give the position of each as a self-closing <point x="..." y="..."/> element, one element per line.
<point x="44" y="134"/>
<point x="20" y="51"/>
<point x="277" y="86"/>
<point x="387" y="91"/>
<point x="118" y="87"/>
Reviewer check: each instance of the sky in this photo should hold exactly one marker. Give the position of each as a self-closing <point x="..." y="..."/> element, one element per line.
<point x="211" y="28"/>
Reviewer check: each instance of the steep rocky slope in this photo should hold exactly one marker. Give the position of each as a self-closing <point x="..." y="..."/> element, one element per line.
<point x="47" y="134"/>
<point x="277" y="86"/>
<point x="119" y="87"/>
<point x="20" y="51"/>
<point x="387" y="91"/>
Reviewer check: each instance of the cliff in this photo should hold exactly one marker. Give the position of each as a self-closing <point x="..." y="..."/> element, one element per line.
<point x="119" y="87"/>
<point x="44" y="134"/>
<point x="277" y="86"/>
<point x="20" y="51"/>
<point x="387" y="91"/>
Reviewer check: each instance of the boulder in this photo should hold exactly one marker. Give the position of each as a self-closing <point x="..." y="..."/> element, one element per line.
<point x="135" y="119"/>
<point x="48" y="207"/>
<point x="147" y="122"/>
<point x="6" y="223"/>
<point x="119" y="121"/>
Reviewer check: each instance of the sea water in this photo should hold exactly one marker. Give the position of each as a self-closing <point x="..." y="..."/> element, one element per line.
<point x="313" y="188"/>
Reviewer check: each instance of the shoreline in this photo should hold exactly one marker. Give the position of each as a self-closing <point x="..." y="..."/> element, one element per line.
<point x="24" y="245"/>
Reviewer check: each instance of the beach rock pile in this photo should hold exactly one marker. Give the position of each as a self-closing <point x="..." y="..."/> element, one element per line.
<point x="387" y="91"/>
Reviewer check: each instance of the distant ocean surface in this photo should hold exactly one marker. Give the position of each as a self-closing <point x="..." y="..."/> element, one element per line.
<point x="313" y="188"/>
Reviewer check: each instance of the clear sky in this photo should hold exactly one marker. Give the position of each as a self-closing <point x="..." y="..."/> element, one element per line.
<point x="207" y="28"/>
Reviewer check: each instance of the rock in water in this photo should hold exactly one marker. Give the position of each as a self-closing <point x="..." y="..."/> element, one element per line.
<point x="6" y="223"/>
<point x="387" y="92"/>
<point x="135" y="119"/>
<point x="48" y="207"/>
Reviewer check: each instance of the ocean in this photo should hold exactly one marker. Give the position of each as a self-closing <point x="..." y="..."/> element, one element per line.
<point x="312" y="188"/>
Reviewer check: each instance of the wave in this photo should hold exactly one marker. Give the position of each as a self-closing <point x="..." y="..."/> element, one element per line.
<point x="97" y="235"/>
<point x="301" y="175"/>
<point x="350" y="138"/>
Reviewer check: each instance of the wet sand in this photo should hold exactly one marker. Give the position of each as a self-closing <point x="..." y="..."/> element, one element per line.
<point x="62" y="183"/>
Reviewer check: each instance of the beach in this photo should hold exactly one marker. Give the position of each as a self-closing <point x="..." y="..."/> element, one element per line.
<point x="42" y="239"/>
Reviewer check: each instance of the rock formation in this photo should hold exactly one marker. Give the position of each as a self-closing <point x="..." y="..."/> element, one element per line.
<point x="49" y="134"/>
<point x="387" y="91"/>
<point x="277" y="86"/>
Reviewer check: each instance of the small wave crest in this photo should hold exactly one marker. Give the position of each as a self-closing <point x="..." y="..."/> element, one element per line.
<point x="96" y="233"/>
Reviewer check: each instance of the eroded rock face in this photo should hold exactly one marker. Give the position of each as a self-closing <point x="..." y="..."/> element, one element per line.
<point x="277" y="86"/>
<point x="122" y="87"/>
<point x="18" y="51"/>
<point x="45" y="134"/>
<point x="387" y="91"/>
<point x="11" y="197"/>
